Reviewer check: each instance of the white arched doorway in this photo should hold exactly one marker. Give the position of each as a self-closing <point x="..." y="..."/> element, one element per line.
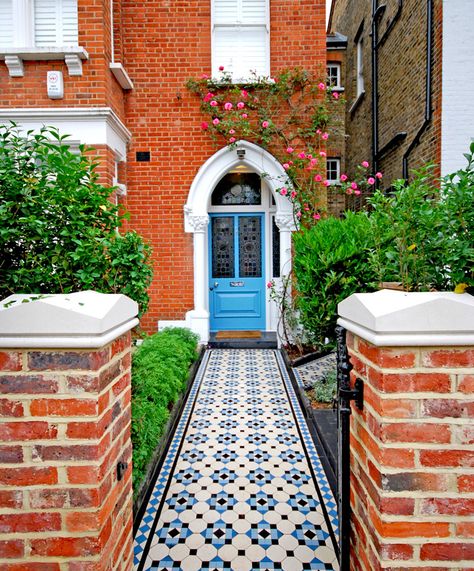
<point x="196" y="217"/>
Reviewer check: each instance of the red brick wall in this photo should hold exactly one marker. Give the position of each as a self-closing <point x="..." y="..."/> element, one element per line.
<point x="97" y="86"/>
<point x="65" y="425"/>
<point x="165" y="120"/>
<point x="412" y="459"/>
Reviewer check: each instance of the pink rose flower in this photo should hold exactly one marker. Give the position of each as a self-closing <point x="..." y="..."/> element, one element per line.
<point x="283" y="191"/>
<point x="313" y="162"/>
<point x="293" y="194"/>
<point x="365" y="164"/>
<point x="213" y="103"/>
<point x="322" y="86"/>
<point x="322" y="154"/>
<point x="318" y="178"/>
<point x="327" y="183"/>
<point x="354" y="185"/>
<point x="298" y="214"/>
<point x="269" y="285"/>
<point x="221" y="68"/>
<point x="290" y="150"/>
<point x="335" y="95"/>
<point x="286" y="166"/>
<point x="349" y="191"/>
<point x="265" y="124"/>
<point x="325" y="136"/>
<point x="291" y="163"/>
<point x="316" y="216"/>
<point x="204" y="76"/>
<point x="343" y="177"/>
<point x="204" y="126"/>
<point x="215" y="121"/>
<point x="231" y="132"/>
<point x="228" y="106"/>
<point x="302" y="155"/>
<point x="232" y="140"/>
<point x="379" y="175"/>
<point x="309" y="156"/>
<point x="240" y="105"/>
<point x="244" y="93"/>
<point x="357" y="191"/>
<point x="371" y="180"/>
<point x="244" y="115"/>
<point x="318" y="131"/>
<point x="208" y="96"/>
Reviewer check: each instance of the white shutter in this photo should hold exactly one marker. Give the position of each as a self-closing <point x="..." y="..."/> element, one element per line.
<point x="6" y="23"/>
<point x="241" y="51"/>
<point x="226" y="11"/>
<point x="69" y="22"/>
<point x="254" y="12"/>
<point x="56" y="23"/>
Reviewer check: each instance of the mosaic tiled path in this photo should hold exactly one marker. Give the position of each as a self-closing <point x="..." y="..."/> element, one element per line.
<point x="242" y="487"/>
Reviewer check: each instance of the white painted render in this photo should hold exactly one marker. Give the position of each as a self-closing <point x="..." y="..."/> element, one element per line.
<point x="457" y="119"/>
<point x="396" y="318"/>
<point x="90" y="126"/>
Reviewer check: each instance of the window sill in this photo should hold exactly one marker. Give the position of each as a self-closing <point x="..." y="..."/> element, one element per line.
<point x="338" y="88"/>
<point x="121" y="75"/>
<point x="72" y="55"/>
<point x="357" y="102"/>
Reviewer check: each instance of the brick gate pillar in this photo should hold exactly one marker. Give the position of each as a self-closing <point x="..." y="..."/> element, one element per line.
<point x="412" y="455"/>
<point x="65" y="451"/>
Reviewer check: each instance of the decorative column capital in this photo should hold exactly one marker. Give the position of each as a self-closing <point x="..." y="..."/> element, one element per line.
<point x="198" y="223"/>
<point x="285" y="222"/>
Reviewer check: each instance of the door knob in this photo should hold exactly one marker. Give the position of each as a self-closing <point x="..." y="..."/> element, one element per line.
<point x="216" y="284"/>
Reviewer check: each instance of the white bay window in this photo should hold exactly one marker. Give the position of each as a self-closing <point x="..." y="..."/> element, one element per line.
<point x="241" y="38"/>
<point x="40" y="29"/>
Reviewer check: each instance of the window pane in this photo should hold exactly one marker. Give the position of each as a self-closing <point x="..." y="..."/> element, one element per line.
<point x="56" y="23"/>
<point x="250" y="247"/>
<point x="332" y="169"/>
<point x="241" y="50"/>
<point x="238" y="189"/>
<point x="222" y="231"/>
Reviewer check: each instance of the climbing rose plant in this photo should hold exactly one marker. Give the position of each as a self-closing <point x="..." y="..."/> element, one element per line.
<point x="291" y="115"/>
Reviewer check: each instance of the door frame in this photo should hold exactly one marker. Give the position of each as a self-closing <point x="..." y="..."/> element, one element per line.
<point x="196" y="219"/>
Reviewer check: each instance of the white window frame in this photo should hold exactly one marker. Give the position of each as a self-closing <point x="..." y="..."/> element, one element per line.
<point x="337" y="162"/>
<point x="238" y="25"/>
<point x="337" y="66"/>
<point x="360" y="66"/>
<point x="24" y="48"/>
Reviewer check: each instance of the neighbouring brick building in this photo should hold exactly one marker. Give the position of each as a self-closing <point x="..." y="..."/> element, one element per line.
<point x="124" y="65"/>
<point x="415" y="111"/>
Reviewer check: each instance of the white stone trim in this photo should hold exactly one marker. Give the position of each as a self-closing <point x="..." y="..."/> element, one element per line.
<point x="196" y="219"/>
<point x="424" y="319"/>
<point x="86" y="319"/>
<point x="73" y="57"/>
<point x="121" y="75"/>
<point x="89" y="125"/>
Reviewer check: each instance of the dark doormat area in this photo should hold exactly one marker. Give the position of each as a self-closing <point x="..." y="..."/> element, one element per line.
<point x="238" y="335"/>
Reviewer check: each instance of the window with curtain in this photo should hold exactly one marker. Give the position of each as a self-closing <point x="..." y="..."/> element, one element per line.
<point x="240" y="38"/>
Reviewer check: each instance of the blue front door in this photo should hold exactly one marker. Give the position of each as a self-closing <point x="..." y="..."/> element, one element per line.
<point x="236" y="272"/>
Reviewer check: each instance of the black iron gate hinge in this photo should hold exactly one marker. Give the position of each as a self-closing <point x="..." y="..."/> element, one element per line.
<point x="356" y="394"/>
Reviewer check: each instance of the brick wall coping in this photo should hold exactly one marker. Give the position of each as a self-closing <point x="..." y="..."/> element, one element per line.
<point x="396" y="318"/>
<point x="85" y="319"/>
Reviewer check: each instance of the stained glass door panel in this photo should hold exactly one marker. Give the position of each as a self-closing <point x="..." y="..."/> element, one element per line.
<point x="237" y="277"/>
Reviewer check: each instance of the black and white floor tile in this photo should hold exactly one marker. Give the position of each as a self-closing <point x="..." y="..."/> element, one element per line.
<point x="241" y="487"/>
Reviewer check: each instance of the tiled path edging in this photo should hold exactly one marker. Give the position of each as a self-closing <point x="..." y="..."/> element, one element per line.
<point x="239" y="487"/>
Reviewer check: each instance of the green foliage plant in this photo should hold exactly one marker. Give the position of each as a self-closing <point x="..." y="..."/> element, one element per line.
<point x="160" y="368"/>
<point x="324" y="390"/>
<point x="330" y="263"/>
<point x="424" y="234"/>
<point x="59" y="230"/>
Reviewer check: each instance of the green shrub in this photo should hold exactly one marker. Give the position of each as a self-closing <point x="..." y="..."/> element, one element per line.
<point x="58" y="227"/>
<point x="160" y="368"/>
<point x="325" y="389"/>
<point x="330" y="263"/>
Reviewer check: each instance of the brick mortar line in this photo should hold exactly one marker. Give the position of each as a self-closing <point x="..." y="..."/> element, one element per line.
<point x="418" y="395"/>
<point x="421" y="446"/>
<point x="389" y="470"/>
<point x="454" y="421"/>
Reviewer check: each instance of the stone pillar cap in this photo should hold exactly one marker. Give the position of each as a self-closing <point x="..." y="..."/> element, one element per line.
<point x="76" y="320"/>
<point x="397" y="318"/>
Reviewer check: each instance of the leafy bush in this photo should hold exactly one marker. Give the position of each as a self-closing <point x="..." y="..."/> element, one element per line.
<point x="325" y="389"/>
<point x="58" y="227"/>
<point x="423" y="236"/>
<point x="159" y="372"/>
<point x="330" y="263"/>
